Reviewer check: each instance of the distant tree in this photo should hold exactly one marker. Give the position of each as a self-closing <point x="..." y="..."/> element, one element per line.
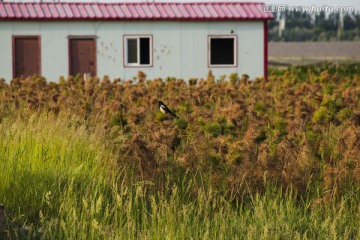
<point x="274" y="23"/>
<point x="298" y="19"/>
<point x="349" y="21"/>
<point x="304" y="26"/>
<point x="357" y="19"/>
<point x="320" y="20"/>
<point x="333" y="21"/>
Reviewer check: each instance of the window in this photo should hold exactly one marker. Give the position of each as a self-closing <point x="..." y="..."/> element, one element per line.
<point x="138" y="50"/>
<point x="222" y="51"/>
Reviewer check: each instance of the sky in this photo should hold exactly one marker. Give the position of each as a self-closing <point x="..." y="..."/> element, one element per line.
<point x="355" y="3"/>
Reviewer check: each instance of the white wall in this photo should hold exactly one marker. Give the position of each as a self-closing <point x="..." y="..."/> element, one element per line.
<point x="180" y="48"/>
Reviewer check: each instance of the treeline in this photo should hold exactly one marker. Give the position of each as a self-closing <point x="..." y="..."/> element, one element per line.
<point x="310" y="26"/>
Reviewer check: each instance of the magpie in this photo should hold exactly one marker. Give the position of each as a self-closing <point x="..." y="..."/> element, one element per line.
<point x="164" y="109"/>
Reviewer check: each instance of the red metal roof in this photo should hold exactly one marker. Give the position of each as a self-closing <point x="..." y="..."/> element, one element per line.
<point x="220" y="11"/>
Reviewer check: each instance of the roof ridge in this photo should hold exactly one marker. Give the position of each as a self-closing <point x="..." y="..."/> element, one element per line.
<point x="186" y="11"/>
<point x="138" y="2"/>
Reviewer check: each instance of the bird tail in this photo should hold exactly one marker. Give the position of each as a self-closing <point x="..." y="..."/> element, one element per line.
<point x="174" y="114"/>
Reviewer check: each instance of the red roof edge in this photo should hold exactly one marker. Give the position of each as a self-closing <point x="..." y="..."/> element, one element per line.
<point x="139" y="11"/>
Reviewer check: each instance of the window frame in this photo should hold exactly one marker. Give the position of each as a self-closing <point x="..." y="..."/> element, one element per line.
<point x="235" y="37"/>
<point x="125" y="50"/>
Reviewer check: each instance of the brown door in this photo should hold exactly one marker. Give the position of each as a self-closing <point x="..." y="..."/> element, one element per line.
<point x="26" y="56"/>
<point x="82" y="56"/>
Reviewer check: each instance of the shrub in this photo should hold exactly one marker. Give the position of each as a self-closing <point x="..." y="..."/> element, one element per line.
<point x="214" y="129"/>
<point x="181" y="123"/>
<point x="344" y="114"/>
<point x="117" y="168"/>
<point x="322" y="115"/>
<point x="260" y="107"/>
<point x="280" y="126"/>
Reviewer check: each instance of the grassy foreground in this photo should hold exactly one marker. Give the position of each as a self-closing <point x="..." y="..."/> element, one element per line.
<point x="246" y="160"/>
<point x="54" y="180"/>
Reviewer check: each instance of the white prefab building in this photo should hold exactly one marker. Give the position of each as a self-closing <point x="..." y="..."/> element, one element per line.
<point x="183" y="40"/>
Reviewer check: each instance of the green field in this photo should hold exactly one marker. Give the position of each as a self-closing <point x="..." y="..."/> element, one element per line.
<point x="245" y="160"/>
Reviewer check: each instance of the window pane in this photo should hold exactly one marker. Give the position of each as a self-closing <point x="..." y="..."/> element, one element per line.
<point x="144" y="50"/>
<point x="222" y="51"/>
<point x="132" y="51"/>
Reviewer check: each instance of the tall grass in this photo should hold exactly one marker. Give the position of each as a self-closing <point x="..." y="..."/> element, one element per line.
<point x="40" y="156"/>
<point x="59" y="179"/>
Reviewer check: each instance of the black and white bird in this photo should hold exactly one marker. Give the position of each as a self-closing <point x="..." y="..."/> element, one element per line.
<point x="164" y="109"/>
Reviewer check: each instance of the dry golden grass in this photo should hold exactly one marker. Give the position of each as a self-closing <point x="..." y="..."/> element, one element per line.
<point x="303" y="126"/>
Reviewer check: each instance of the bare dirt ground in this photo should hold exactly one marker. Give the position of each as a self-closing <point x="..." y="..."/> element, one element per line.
<point x="294" y="53"/>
